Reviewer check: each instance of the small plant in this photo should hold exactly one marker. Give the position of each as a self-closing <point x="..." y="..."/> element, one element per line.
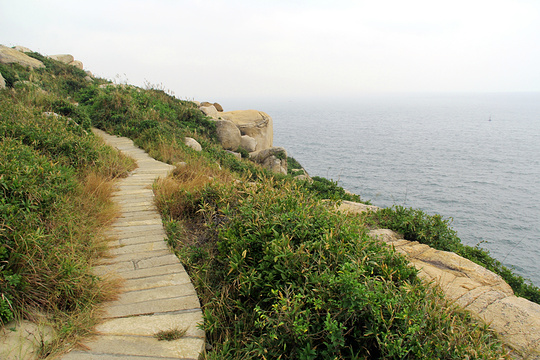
<point x="170" y="335"/>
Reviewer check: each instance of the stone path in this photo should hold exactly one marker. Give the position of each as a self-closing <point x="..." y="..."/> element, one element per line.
<point x="157" y="294"/>
<point x="483" y="293"/>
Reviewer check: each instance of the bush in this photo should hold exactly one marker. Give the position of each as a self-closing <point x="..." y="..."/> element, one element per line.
<point x="282" y="276"/>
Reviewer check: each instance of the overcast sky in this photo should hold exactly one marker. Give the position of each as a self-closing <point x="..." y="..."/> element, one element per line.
<point x="212" y="50"/>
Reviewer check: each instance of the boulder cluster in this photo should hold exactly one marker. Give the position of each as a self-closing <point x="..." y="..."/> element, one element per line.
<point x="250" y="131"/>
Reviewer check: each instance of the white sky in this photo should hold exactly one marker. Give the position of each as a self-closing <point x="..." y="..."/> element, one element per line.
<point x="212" y="50"/>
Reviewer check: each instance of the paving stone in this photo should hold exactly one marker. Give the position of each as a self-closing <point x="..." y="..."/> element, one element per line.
<point x="184" y="348"/>
<point x="145" y="295"/>
<point x="151" y="282"/>
<point x="154" y="271"/>
<point x="140" y="248"/>
<point x="141" y="239"/>
<point x="154" y="306"/>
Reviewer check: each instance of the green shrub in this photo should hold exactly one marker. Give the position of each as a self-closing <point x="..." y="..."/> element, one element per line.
<point x="282" y="276"/>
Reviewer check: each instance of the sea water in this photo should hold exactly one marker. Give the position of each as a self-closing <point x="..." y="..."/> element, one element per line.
<point x="474" y="158"/>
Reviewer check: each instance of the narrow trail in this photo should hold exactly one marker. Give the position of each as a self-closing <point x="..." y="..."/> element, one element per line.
<point x="157" y="294"/>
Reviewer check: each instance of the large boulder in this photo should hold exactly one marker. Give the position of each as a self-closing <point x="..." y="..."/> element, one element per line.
<point x="12" y="56"/>
<point x="248" y="143"/>
<point x="218" y="107"/>
<point x="64" y="58"/>
<point x="256" y="124"/>
<point x="273" y="159"/>
<point x="209" y="110"/>
<point x="228" y="134"/>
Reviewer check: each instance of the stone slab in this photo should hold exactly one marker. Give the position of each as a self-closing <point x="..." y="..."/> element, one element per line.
<point x="149" y="325"/>
<point x="157" y="293"/>
<point x="139" y="248"/>
<point x="153" y="306"/>
<point x="151" y="282"/>
<point x="184" y="348"/>
<point x="153" y="271"/>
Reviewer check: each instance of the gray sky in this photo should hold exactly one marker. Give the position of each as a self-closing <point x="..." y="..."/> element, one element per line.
<point x="211" y="49"/>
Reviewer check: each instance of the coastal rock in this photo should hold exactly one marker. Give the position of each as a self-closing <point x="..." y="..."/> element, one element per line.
<point x="209" y="111"/>
<point x="483" y="293"/>
<point x="218" y="107"/>
<point x="248" y="143"/>
<point x="64" y="58"/>
<point x="12" y="56"/>
<point x="256" y="124"/>
<point x="273" y="159"/>
<point x="355" y="208"/>
<point x="228" y="134"/>
<point x="192" y="143"/>
<point x="2" y="82"/>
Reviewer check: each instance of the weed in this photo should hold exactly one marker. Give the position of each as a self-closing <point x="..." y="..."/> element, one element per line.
<point x="170" y="335"/>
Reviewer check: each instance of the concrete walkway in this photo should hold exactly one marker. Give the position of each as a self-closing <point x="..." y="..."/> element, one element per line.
<point x="157" y="294"/>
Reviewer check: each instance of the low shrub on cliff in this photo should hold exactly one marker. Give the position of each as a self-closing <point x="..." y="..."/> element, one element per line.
<point x="280" y="275"/>
<point x="435" y="231"/>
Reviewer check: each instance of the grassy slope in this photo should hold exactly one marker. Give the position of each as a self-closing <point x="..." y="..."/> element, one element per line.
<point x="55" y="181"/>
<point x="279" y="274"/>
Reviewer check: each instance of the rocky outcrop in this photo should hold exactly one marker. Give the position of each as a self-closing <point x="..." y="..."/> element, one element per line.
<point x="228" y="134"/>
<point x="483" y="293"/>
<point x="12" y="56"/>
<point x="256" y="124"/>
<point x="273" y="159"/>
<point x="2" y="82"/>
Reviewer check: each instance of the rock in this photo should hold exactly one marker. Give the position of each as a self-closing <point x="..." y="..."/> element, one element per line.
<point x="78" y="64"/>
<point x="22" y="49"/>
<point x="228" y="134"/>
<point x="483" y="293"/>
<point x="197" y="103"/>
<point x="12" y="56"/>
<point x="273" y="159"/>
<point x="210" y="111"/>
<point x="64" y="58"/>
<point x="192" y="143"/>
<point x="248" y="143"/>
<point x="218" y="107"/>
<point x="88" y="78"/>
<point x="355" y="208"/>
<point x="2" y="82"/>
<point x="206" y="103"/>
<point x="256" y="124"/>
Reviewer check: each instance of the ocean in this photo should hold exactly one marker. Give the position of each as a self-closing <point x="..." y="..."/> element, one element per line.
<point x="474" y="158"/>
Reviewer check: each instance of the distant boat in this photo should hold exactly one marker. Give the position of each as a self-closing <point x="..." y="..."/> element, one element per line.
<point x="489" y="118"/>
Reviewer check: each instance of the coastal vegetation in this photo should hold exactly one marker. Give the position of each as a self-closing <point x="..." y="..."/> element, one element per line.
<point x="280" y="274"/>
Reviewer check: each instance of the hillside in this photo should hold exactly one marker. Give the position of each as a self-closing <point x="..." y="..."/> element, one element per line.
<point x="279" y="272"/>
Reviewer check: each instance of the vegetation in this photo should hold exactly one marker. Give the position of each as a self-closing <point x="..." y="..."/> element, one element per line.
<point x="280" y="274"/>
